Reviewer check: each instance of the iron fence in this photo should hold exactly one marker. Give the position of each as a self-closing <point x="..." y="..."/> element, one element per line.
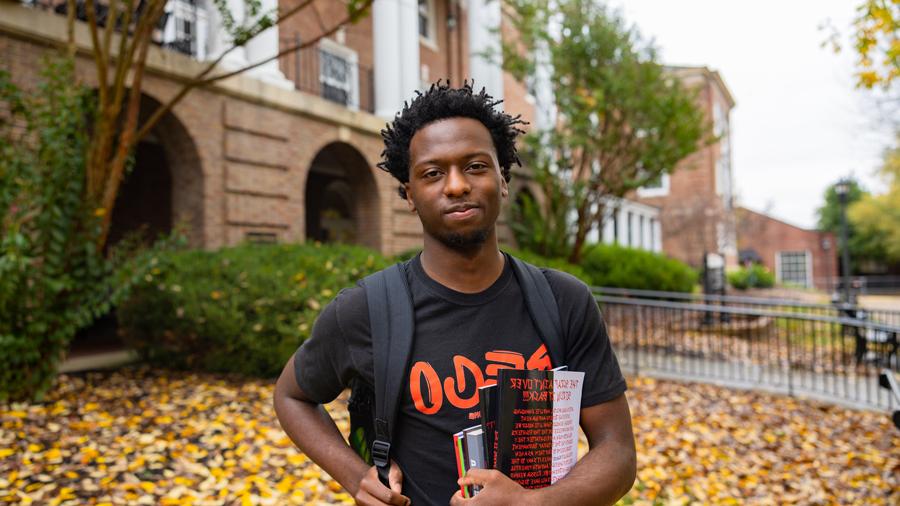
<point x="883" y="316"/>
<point x="833" y="358"/>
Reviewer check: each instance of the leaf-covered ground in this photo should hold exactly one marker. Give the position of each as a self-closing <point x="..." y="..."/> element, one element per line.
<point x="144" y="437"/>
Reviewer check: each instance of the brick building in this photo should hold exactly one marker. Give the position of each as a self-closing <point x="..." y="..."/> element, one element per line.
<point x="796" y="255"/>
<point x="696" y="202"/>
<point x="287" y="151"/>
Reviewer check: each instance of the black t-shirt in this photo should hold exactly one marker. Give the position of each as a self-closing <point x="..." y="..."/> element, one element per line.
<point x="461" y="340"/>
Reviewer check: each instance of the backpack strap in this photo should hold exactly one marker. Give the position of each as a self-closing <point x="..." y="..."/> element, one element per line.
<point x="391" y="322"/>
<point x="542" y="307"/>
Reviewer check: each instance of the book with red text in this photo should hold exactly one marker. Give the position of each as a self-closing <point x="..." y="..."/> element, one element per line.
<point x="487" y="399"/>
<point x="537" y="414"/>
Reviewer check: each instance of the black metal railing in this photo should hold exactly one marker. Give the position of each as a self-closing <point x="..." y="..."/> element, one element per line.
<point x="884" y="316"/>
<point x="329" y="74"/>
<point x="185" y="40"/>
<point x="829" y="357"/>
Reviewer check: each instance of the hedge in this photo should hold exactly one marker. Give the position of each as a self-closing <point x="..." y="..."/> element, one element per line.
<point x="620" y="267"/>
<point x="528" y="256"/>
<point x="244" y="309"/>
<point x="755" y="276"/>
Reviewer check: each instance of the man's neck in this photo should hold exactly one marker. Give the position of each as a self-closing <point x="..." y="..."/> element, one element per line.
<point x="466" y="272"/>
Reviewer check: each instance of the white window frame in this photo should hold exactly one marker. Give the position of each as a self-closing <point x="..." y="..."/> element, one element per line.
<point x="431" y="13"/>
<point x="660" y="191"/>
<point x="181" y="10"/>
<point x="778" y="265"/>
<point x="352" y="85"/>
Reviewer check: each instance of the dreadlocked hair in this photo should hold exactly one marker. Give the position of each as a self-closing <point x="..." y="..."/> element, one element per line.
<point x="442" y="102"/>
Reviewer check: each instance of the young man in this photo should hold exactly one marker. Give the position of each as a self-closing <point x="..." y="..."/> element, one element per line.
<point x="452" y="153"/>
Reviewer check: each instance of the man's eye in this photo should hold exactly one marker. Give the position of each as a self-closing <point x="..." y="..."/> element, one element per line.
<point x="477" y="166"/>
<point x="431" y="173"/>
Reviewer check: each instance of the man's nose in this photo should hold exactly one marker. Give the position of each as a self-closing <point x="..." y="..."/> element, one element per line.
<point x="456" y="183"/>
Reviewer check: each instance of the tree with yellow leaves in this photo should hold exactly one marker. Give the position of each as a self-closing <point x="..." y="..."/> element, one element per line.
<point x="876" y="42"/>
<point x="880" y="214"/>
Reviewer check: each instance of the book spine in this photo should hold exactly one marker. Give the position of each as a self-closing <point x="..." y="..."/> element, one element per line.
<point x="460" y="461"/>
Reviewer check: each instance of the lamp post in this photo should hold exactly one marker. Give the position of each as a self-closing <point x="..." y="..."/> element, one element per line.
<point x="842" y="188"/>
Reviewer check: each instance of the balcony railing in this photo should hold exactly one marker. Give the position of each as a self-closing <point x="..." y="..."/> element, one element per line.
<point x="328" y="69"/>
<point x="178" y="29"/>
<point x="329" y="72"/>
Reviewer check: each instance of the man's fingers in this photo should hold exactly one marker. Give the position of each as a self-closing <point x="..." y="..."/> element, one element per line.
<point x="457" y="499"/>
<point x="476" y="476"/>
<point x="372" y="491"/>
<point x="395" y="478"/>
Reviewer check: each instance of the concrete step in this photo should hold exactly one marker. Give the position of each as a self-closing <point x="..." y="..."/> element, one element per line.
<point x="101" y="360"/>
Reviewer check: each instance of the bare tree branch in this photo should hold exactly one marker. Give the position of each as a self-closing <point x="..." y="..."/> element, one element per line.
<point x="200" y="81"/>
<point x="111" y="15"/>
<point x="99" y="57"/>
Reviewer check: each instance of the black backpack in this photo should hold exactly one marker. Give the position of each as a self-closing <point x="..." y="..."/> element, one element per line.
<point x="373" y="410"/>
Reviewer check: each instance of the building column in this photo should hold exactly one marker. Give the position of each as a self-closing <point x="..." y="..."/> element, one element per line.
<point x="657" y="236"/>
<point x="218" y="40"/>
<point x="484" y="36"/>
<point x="395" y="25"/>
<point x="266" y="45"/>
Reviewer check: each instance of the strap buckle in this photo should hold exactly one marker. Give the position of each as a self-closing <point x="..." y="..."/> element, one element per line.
<point x="381" y="452"/>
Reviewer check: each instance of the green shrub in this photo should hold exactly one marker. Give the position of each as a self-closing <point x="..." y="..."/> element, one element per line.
<point x="620" y="267"/>
<point x="405" y="255"/>
<point x="756" y="276"/>
<point x="54" y="279"/>
<point x="528" y="256"/>
<point x="553" y="263"/>
<point x="244" y="309"/>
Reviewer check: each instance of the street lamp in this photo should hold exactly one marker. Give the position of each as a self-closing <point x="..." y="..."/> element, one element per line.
<point x="842" y="188"/>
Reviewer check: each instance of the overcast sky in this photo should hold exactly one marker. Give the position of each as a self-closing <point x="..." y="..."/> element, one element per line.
<point x="799" y="124"/>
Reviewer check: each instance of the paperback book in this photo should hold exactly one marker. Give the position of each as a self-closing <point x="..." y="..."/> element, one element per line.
<point x="529" y="427"/>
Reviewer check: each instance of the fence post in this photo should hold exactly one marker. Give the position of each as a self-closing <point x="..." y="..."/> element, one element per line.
<point x="636" y="352"/>
<point x="790" y="376"/>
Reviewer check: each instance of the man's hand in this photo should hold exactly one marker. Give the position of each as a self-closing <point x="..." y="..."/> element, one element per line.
<point x="373" y="493"/>
<point x="496" y="488"/>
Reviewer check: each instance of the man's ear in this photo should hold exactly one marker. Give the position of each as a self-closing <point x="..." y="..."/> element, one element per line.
<point x="504" y="187"/>
<point x="409" y="201"/>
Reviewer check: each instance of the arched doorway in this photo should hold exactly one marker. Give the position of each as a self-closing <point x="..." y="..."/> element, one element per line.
<point x="342" y="198"/>
<point x="144" y="203"/>
<point x="161" y="189"/>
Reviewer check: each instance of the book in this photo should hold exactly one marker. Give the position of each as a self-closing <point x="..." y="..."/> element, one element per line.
<point x="459" y="449"/>
<point x="537" y="424"/>
<point x="529" y="427"/>
<point x="487" y="402"/>
<point x="474" y="446"/>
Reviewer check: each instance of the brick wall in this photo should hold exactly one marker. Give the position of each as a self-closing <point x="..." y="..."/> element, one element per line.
<point x="692" y="213"/>
<point x="768" y="236"/>
<point x="240" y="152"/>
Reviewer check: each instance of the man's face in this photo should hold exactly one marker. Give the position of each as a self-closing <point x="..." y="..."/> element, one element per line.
<point x="455" y="184"/>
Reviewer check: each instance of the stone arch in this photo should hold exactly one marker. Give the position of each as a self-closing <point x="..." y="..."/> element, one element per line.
<point x="342" y="202"/>
<point x="164" y="187"/>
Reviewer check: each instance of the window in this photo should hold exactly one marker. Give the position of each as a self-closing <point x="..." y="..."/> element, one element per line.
<point x="426" y="20"/>
<point x="794" y="267"/>
<point x="184" y="28"/>
<point x="338" y="73"/>
<point x="658" y="187"/>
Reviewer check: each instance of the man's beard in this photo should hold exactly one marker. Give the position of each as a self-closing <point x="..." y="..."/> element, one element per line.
<point x="465" y="242"/>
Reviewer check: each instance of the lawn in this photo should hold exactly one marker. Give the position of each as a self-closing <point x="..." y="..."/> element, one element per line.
<point x="139" y="436"/>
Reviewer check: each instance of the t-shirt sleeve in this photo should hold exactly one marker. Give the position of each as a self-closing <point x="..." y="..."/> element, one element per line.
<point x="588" y="348"/>
<point x="323" y="365"/>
